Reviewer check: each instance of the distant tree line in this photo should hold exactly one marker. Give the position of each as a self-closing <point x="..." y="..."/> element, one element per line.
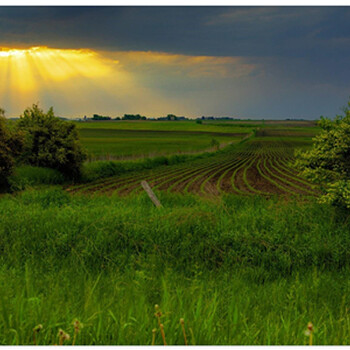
<point x="134" y="117"/>
<point x="169" y="117"/>
<point x="100" y="117"/>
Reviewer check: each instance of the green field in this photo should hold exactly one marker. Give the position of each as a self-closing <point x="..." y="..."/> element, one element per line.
<point x="259" y="163"/>
<point x="240" y="248"/>
<point x="190" y="125"/>
<point x="119" y="144"/>
<point x="134" y="139"/>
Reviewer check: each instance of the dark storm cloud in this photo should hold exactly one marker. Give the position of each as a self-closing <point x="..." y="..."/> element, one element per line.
<point x="225" y="31"/>
<point x="303" y="53"/>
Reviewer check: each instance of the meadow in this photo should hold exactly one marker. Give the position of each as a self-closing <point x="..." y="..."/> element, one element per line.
<point x="240" y="249"/>
<point x="238" y="270"/>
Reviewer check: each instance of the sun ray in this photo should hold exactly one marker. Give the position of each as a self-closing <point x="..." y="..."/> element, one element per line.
<point x="80" y="81"/>
<point x="27" y="74"/>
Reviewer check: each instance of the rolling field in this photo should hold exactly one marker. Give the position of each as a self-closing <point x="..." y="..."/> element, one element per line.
<point x="113" y="140"/>
<point x="262" y="165"/>
<point x="128" y="144"/>
<point x="240" y="250"/>
<point x="190" y="125"/>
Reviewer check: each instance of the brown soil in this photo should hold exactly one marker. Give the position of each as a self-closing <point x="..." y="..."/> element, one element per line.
<point x="283" y="184"/>
<point x="187" y="178"/>
<point x="257" y="181"/>
<point x="239" y="180"/>
<point x="289" y="178"/>
<point x="196" y="185"/>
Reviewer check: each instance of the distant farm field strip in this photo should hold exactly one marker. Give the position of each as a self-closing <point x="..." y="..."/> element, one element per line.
<point x="102" y="143"/>
<point x="260" y="166"/>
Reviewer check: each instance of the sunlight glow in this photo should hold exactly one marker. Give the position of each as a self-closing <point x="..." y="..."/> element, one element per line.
<point x="22" y="69"/>
<point x="83" y="81"/>
<point x="28" y="75"/>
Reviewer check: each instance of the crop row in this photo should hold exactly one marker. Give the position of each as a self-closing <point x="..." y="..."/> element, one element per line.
<point x="259" y="168"/>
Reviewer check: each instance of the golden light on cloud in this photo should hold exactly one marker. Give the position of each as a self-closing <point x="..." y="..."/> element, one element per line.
<point x="82" y="81"/>
<point x="23" y="68"/>
<point x="28" y="74"/>
<point x="192" y="66"/>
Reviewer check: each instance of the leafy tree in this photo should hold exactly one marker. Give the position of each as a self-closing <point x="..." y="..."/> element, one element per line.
<point x="10" y="147"/>
<point x="328" y="161"/>
<point x="100" y="117"/>
<point x="51" y="142"/>
<point x="133" y="117"/>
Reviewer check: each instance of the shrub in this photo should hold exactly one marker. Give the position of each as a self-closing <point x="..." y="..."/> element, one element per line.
<point x="328" y="161"/>
<point x="10" y="146"/>
<point x="51" y="142"/>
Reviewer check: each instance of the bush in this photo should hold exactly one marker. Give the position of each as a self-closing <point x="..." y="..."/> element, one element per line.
<point x="10" y="146"/>
<point x="51" y="142"/>
<point x="328" y="161"/>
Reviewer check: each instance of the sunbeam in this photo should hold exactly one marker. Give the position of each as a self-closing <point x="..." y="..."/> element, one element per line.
<point x="27" y="72"/>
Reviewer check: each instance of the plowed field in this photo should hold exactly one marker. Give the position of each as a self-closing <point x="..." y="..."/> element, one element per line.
<point x="261" y="166"/>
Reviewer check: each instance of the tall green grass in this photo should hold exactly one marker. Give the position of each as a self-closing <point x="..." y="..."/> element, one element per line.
<point x="218" y="308"/>
<point x="26" y="176"/>
<point x="238" y="270"/>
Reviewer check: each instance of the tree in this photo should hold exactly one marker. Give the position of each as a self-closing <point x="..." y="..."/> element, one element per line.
<point x="133" y="117"/>
<point x="10" y="147"/>
<point x="100" y="117"/>
<point x="328" y="161"/>
<point x="51" y="142"/>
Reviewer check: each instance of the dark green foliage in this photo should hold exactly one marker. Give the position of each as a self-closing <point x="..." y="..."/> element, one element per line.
<point x="133" y="117"/>
<point x="10" y="147"/>
<point x="51" y="142"/>
<point x="100" y="117"/>
<point x="328" y="161"/>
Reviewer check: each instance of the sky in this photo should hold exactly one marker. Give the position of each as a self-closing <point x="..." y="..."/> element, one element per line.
<point x="247" y="62"/>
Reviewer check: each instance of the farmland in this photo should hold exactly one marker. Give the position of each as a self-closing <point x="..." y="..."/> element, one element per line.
<point x="174" y="175"/>
<point x="258" y="163"/>
<point x="240" y="248"/>
<point x="134" y="139"/>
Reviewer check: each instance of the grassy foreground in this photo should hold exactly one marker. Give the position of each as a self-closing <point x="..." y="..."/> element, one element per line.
<point x="238" y="270"/>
